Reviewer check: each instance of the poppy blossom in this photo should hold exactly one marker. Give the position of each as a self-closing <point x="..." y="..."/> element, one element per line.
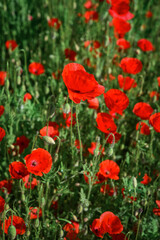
<point x="27" y="96"/>
<point x="155" y="95"/>
<point x="33" y="212"/>
<point x="77" y="144"/>
<point x="144" y="128"/>
<point x="96" y="228"/>
<point x="145" y="45"/>
<point x="156" y="211"/>
<point x="125" y="17"/>
<point x="3" y="76"/>
<point x="108" y="189"/>
<point x="54" y="23"/>
<point x="81" y="85"/>
<point x="29" y="184"/>
<point x="70" y="54"/>
<point x="36" y="68"/>
<point x="11" y="44"/>
<point x="121" y="7"/>
<point x="18" y="170"/>
<point x="91" y="15"/>
<point x="6" y="185"/>
<point x="18" y="223"/>
<point x="22" y="142"/>
<point x="149" y="14"/>
<point x="117" y="137"/>
<point x="154" y="120"/>
<point x="109" y="169"/>
<point x="143" y="110"/>
<point x="131" y="65"/>
<point x="93" y="103"/>
<point x="88" y="4"/>
<point x="2" y="133"/>
<point x="50" y="131"/>
<point x="120" y="236"/>
<point x="116" y="100"/>
<point x="1" y="110"/>
<point x="38" y="162"/>
<point x="158" y="80"/>
<point x="105" y="123"/>
<point x="126" y="83"/>
<point x="92" y="148"/>
<point x="72" y="230"/>
<point x="2" y="203"/>
<point x="120" y="26"/>
<point x="123" y="44"/>
<point x="146" y="179"/>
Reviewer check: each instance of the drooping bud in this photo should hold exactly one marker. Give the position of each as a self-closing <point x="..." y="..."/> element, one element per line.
<point x="12" y="232"/>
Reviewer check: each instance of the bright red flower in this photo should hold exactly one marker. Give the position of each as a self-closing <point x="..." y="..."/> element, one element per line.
<point x="158" y="80"/>
<point x="156" y="211"/>
<point x="72" y="230"/>
<point x="27" y="96"/>
<point x="92" y="148"/>
<point x="149" y="14"/>
<point x="29" y="184"/>
<point x="131" y="65"/>
<point x="49" y="131"/>
<point x="1" y="110"/>
<point x="155" y="94"/>
<point x="81" y="85"/>
<point x="110" y="139"/>
<point x="116" y="101"/>
<point x="6" y="185"/>
<point x="146" y="179"/>
<point x="126" y="83"/>
<point x="88" y="4"/>
<point x="144" y="128"/>
<point x="54" y="22"/>
<point x="68" y="119"/>
<point x="109" y="169"/>
<point x="3" y="75"/>
<point x="22" y="142"/>
<point x="121" y="7"/>
<point x="33" y="212"/>
<point x="2" y="133"/>
<point x="125" y="17"/>
<point x="36" y="68"/>
<point x="145" y="45"/>
<point x="70" y="54"/>
<point x="154" y="120"/>
<point x="120" y="236"/>
<point x="96" y="228"/>
<point x="18" y="170"/>
<point x="105" y="123"/>
<point x="143" y="110"/>
<point x="108" y="189"/>
<point x="91" y="15"/>
<point x="120" y="26"/>
<point x="2" y="203"/>
<point x="38" y="162"/>
<point x="11" y="44"/>
<point x="123" y="44"/>
<point x="93" y="103"/>
<point x="77" y="144"/>
<point x="111" y="223"/>
<point x="18" y="222"/>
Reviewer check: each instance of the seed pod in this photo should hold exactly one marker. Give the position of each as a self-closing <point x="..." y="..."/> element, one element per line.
<point x="37" y="223"/>
<point x="12" y="232"/>
<point x="48" y="140"/>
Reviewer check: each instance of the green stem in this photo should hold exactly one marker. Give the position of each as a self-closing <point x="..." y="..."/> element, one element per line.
<point x="79" y="135"/>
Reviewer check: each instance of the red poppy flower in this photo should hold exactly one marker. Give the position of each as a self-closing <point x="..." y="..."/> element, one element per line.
<point x="123" y="44"/>
<point x="93" y="103"/>
<point x="18" y="222"/>
<point x="22" y="142"/>
<point x="131" y="65"/>
<point x="91" y="15"/>
<point x="144" y="128"/>
<point x="120" y="26"/>
<point x="158" y="80"/>
<point x="33" y="212"/>
<point x="105" y="123"/>
<point x="68" y="119"/>
<point x="2" y="203"/>
<point x="11" y="44"/>
<point x="49" y="131"/>
<point x="77" y="144"/>
<point x="145" y="45"/>
<point x="143" y="110"/>
<point x="125" y="17"/>
<point x="88" y="4"/>
<point x="29" y="184"/>
<point x="146" y="179"/>
<point x="54" y="205"/>
<point x="1" y="110"/>
<point x="111" y="77"/>
<point x="121" y="7"/>
<point x="6" y="185"/>
<point x="72" y="230"/>
<point x="18" y="170"/>
<point x="92" y="148"/>
<point x="126" y="83"/>
<point x="149" y="14"/>
<point x="132" y="198"/>
<point x="70" y="54"/>
<point x="116" y="101"/>
<point x="111" y="223"/>
<point x="54" y="22"/>
<point x="110" y="139"/>
<point x="108" y="189"/>
<point x="154" y="120"/>
<point x="96" y="228"/>
<point x="81" y="85"/>
<point x="156" y="211"/>
<point x="36" y="68"/>
<point x="38" y="162"/>
<point x="120" y="236"/>
<point x="109" y="169"/>
<point x="155" y="94"/>
<point x="27" y="96"/>
<point x="2" y="133"/>
<point x="3" y="75"/>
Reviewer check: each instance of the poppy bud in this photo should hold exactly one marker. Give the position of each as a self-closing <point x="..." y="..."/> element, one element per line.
<point x="48" y="140"/>
<point x="12" y="232"/>
<point x="56" y="157"/>
<point x="110" y="151"/>
<point x="66" y="108"/>
<point x="37" y="223"/>
<point x="43" y="202"/>
<point x="7" y="84"/>
<point x="80" y="209"/>
<point x="75" y="218"/>
<point x="61" y="233"/>
<point x="28" y="233"/>
<point x="134" y="182"/>
<point x="23" y="197"/>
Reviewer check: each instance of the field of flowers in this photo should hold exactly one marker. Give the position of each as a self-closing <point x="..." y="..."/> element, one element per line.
<point x="80" y="119"/>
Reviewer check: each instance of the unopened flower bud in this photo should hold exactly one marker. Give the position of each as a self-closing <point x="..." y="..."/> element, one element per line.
<point x="66" y="108"/>
<point x="12" y="232"/>
<point x="48" y="140"/>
